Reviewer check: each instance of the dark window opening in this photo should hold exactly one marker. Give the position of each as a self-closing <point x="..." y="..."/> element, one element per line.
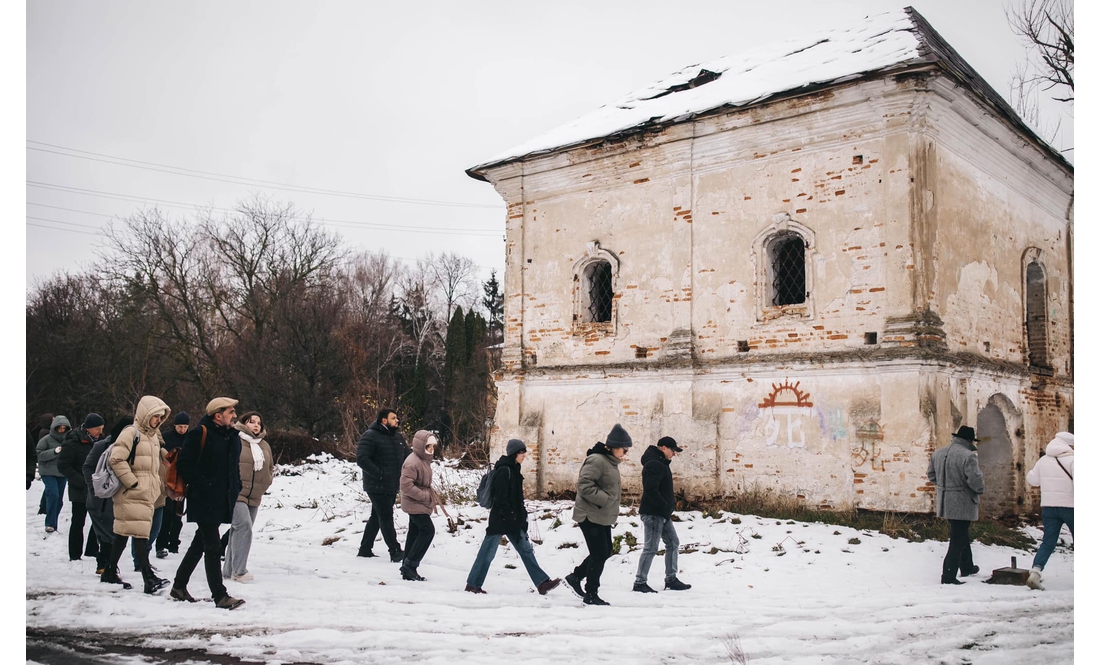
<point x="742" y="346"/>
<point x="870" y="338"/>
<point x="1036" y="317"/>
<point x="641" y="352"/>
<point x="788" y="264"/>
<point x="597" y="278"/>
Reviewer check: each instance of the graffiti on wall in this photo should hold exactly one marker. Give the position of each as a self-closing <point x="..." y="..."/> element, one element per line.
<point x="868" y="447"/>
<point x="784" y="408"/>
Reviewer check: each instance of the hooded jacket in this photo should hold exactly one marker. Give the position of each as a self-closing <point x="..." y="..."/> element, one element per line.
<point x="254" y="484"/>
<point x="212" y="472"/>
<point x="417" y="497"/>
<point x="658" y="497"/>
<point x="101" y="509"/>
<point x="599" y="488"/>
<point x="959" y="482"/>
<point x="1056" y="484"/>
<point x="143" y="480"/>
<point x="47" y="448"/>
<point x="508" y="514"/>
<point x="78" y="443"/>
<point x="380" y="453"/>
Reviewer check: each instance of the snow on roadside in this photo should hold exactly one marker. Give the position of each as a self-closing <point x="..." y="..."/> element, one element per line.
<point x="790" y="592"/>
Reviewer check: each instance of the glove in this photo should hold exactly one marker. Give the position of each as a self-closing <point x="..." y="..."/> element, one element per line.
<point x="57" y="449"/>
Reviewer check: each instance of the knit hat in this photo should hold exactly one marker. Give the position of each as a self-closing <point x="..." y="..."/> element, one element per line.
<point x="669" y="442"/>
<point x="514" y="447"/>
<point x="618" y="438"/>
<point x="219" y="403"/>
<point x="182" y="419"/>
<point x="93" y="420"/>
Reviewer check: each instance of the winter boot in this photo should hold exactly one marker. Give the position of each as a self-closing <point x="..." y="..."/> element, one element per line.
<point x="548" y="586"/>
<point x="397" y="555"/>
<point x="408" y="571"/>
<point x="574" y="583"/>
<point x="676" y="585"/>
<point x="110" y="576"/>
<point x="152" y="582"/>
<point x="473" y="589"/>
<point x="644" y="588"/>
<point x="162" y="554"/>
<point x="366" y="554"/>
<point x="228" y="602"/>
<point x="1035" y="579"/>
<point x="180" y="593"/>
<point x="594" y="599"/>
<point x="967" y="572"/>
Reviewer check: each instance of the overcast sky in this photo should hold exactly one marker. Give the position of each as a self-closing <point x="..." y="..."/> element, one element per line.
<point x="370" y="100"/>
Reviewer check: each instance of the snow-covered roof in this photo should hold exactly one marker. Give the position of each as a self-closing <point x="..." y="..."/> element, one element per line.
<point x="894" y="40"/>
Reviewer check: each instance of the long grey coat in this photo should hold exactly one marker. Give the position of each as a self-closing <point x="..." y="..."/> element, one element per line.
<point x="958" y="480"/>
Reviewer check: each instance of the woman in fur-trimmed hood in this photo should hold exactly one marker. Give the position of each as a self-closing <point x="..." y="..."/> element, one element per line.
<point x="257" y="472"/>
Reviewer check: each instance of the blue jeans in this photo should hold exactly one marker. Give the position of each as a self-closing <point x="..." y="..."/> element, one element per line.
<point x="488" y="551"/>
<point x="154" y="530"/>
<point x="658" y="529"/>
<point x="1053" y="519"/>
<point x="55" y="491"/>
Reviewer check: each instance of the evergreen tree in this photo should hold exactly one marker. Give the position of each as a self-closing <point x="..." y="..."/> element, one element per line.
<point x="494" y="305"/>
<point x="455" y="358"/>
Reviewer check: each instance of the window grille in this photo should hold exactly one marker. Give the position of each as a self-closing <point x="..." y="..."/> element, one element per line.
<point x="597" y="278"/>
<point x="1036" y="318"/>
<point x="788" y="265"/>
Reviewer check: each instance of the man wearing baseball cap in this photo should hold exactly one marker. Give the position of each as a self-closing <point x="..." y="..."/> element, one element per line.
<point x="209" y="462"/>
<point x="658" y="503"/>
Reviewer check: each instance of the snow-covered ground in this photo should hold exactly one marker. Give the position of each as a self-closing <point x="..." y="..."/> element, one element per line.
<point x="787" y="592"/>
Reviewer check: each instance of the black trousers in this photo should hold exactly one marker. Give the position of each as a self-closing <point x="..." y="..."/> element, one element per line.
<point x="170" y="527"/>
<point x="76" y="533"/>
<point x="118" y="546"/>
<point x="959" y="555"/>
<point x="381" y="518"/>
<point x="206" y="546"/>
<point x="421" y="533"/>
<point x="598" y="539"/>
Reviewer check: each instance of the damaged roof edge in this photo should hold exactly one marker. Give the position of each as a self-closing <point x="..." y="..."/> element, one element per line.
<point x="934" y="50"/>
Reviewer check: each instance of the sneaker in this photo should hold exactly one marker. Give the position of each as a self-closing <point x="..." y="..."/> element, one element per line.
<point x="1035" y="580"/>
<point x="473" y="589"/>
<point x="574" y="583"/>
<point x="644" y="588"/>
<point x="243" y="577"/>
<point x="967" y="572"/>
<point x="676" y="585"/>
<point x="180" y="593"/>
<point x="594" y="599"/>
<point x="162" y="554"/>
<point x="50" y="529"/>
<point x="548" y="586"/>
<point x="228" y="602"/>
<point x="397" y="555"/>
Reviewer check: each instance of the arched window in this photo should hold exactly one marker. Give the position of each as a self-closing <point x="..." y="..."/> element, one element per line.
<point x="1035" y="321"/>
<point x="598" y="292"/>
<point x="787" y="269"/>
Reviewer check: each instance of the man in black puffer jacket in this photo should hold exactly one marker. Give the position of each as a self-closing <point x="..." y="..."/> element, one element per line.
<point x="380" y="453"/>
<point x="210" y="463"/>
<point x="70" y="462"/>
<point x="508" y="517"/>
<point x="658" y="503"/>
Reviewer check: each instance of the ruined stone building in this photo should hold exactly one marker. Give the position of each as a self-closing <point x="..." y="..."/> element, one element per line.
<point x="808" y="263"/>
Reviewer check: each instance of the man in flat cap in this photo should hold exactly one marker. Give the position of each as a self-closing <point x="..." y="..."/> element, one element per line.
<point x="209" y="462"/>
<point x="658" y="502"/>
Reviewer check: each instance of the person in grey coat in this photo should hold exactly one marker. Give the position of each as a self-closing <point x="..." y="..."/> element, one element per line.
<point x="954" y="471"/>
<point x="599" y="490"/>
<point x="48" y="449"/>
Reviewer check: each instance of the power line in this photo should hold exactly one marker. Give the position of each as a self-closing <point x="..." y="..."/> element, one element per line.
<point x="58" y="221"/>
<point x="86" y="212"/>
<point x="132" y="198"/>
<point x="240" y="180"/>
<point x="54" y="228"/>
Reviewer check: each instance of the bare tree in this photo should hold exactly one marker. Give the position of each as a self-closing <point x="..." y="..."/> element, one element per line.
<point x="454" y="278"/>
<point x="1046" y="28"/>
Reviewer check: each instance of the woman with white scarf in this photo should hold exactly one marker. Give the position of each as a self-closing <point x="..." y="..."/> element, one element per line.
<point x="256" y="475"/>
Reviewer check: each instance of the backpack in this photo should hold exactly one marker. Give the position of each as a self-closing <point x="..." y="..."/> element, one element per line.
<point x="105" y="483"/>
<point x="174" y="484"/>
<point x="485" y="488"/>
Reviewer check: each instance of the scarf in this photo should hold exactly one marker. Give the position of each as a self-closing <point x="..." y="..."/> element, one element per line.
<point x="257" y="451"/>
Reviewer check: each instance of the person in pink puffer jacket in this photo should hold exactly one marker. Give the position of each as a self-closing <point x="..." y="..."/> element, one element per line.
<point x="1054" y="474"/>
<point x="418" y="501"/>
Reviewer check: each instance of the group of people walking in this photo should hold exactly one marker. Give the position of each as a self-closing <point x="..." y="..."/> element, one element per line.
<point x="226" y="465"/>
<point x="391" y="466"/>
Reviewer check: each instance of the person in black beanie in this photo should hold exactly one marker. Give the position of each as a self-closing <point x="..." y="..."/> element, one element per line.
<point x="658" y="502"/>
<point x="599" y="489"/>
<point x="380" y="453"/>
<point x="70" y="462"/>
<point x="168" y="540"/>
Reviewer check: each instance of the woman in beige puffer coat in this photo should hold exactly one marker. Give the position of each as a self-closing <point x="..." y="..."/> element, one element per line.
<point x="137" y="458"/>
